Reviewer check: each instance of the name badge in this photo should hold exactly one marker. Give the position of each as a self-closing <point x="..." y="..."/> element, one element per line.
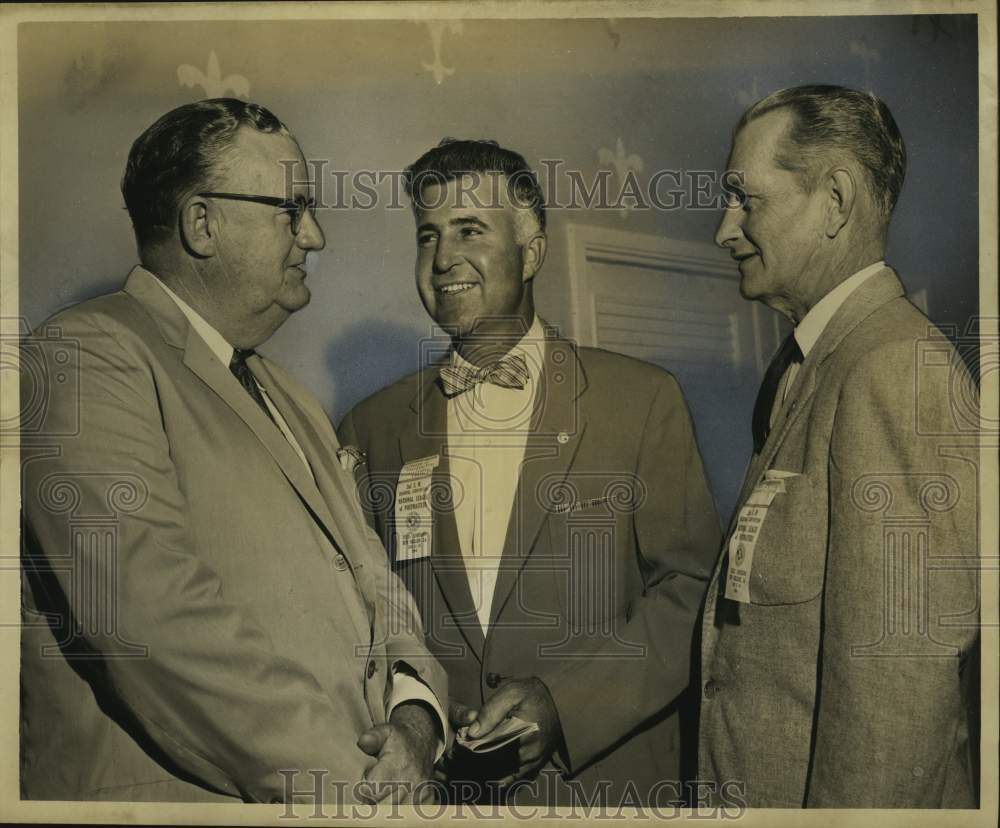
<point x="748" y="526"/>
<point x="414" y="521"/>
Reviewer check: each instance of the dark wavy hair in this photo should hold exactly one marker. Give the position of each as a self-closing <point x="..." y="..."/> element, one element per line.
<point x="453" y="158"/>
<point x="179" y="155"/>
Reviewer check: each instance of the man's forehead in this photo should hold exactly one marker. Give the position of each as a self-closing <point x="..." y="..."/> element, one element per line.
<point x="466" y="195"/>
<point x="271" y="160"/>
<point x="473" y="187"/>
<point x="756" y="144"/>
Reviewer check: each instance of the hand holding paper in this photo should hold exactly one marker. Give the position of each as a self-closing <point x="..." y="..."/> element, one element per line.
<point x="521" y="709"/>
<point x="509" y="730"/>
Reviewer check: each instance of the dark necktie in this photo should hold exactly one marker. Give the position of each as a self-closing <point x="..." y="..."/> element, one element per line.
<point x="238" y="365"/>
<point x="788" y="353"/>
<point x="509" y="372"/>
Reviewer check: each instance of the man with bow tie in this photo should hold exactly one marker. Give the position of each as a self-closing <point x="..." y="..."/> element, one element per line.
<point x="842" y="613"/>
<point x="545" y="504"/>
<point x="208" y="616"/>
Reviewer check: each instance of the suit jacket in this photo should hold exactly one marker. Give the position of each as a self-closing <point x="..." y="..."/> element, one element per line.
<point x="611" y="538"/>
<point x="200" y="614"/>
<point x="838" y="684"/>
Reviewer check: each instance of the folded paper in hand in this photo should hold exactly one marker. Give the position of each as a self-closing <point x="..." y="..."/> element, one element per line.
<point x="509" y="730"/>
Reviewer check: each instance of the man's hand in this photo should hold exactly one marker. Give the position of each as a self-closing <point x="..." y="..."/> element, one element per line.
<point x="405" y="748"/>
<point x="528" y="699"/>
<point x="459" y="715"/>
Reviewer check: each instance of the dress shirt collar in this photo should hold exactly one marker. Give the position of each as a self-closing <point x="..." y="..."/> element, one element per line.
<point x="216" y="342"/>
<point x="528" y="347"/>
<point x="808" y="331"/>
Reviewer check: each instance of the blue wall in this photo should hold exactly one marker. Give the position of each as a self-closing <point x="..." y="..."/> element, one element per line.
<point x="363" y="95"/>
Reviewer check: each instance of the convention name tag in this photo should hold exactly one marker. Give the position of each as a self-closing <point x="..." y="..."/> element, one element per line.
<point x="414" y="521"/>
<point x="777" y="477"/>
<point x="748" y="526"/>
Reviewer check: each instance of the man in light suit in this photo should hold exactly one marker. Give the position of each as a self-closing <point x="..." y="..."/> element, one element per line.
<point x="841" y="614"/>
<point x="546" y="505"/>
<point x="208" y="617"/>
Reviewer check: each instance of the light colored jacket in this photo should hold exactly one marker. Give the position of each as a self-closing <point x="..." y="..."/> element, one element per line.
<point x="838" y="684"/>
<point x="222" y="614"/>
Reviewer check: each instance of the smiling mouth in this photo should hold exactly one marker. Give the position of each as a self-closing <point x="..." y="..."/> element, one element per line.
<point x="457" y="287"/>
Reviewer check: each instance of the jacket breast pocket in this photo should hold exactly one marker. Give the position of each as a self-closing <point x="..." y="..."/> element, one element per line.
<point x="789" y="560"/>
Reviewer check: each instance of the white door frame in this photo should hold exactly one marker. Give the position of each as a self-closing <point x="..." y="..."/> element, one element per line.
<point x="589" y="242"/>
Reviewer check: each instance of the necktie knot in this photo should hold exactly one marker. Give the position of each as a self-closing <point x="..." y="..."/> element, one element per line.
<point x="794" y="351"/>
<point x="240" y="369"/>
<point x="239" y="360"/>
<point x="510" y="371"/>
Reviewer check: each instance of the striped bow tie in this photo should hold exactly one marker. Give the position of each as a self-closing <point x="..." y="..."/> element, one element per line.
<point x="509" y="372"/>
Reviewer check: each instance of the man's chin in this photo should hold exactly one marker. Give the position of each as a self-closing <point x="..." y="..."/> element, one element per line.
<point x="455" y="326"/>
<point x="296" y="301"/>
<point x="750" y="287"/>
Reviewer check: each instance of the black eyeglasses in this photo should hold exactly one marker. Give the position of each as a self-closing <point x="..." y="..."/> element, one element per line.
<point x="296" y="207"/>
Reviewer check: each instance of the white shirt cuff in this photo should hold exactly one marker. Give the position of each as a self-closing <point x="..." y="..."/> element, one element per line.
<point x="407" y="686"/>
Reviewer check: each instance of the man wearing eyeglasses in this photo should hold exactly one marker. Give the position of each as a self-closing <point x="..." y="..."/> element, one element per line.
<point x="210" y="618"/>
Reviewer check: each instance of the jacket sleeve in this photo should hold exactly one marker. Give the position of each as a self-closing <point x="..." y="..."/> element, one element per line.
<point x="900" y="592"/>
<point x="403" y="632"/>
<point x="678" y="535"/>
<point x="209" y="688"/>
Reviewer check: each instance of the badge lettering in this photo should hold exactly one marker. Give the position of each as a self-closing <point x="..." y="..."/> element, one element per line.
<point x="414" y="520"/>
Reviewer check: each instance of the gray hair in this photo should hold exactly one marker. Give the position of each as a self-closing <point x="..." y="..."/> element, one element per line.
<point x="834" y="122"/>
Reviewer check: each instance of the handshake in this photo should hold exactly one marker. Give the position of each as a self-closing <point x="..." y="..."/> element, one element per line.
<point x="521" y="711"/>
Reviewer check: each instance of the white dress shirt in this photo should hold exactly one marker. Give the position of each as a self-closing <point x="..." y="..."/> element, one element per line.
<point x="488" y="430"/>
<point x="406" y="684"/>
<point x="812" y="325"/>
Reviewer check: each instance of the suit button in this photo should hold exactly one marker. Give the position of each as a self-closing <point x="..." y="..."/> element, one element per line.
<point x="493" y="680"/>
<point x="712" y="687"/>
<point x="340" y="562"/>
<point x="372" y="667"/>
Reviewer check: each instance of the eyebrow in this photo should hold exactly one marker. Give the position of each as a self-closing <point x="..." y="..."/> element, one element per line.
<point x="469" y="220"/>
<point x="459" y="221"/>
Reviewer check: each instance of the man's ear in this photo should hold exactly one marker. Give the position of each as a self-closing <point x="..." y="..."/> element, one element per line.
<point x="842" y="191"/>
<point x="197" y="234"/>
<point x="534" y="255"/>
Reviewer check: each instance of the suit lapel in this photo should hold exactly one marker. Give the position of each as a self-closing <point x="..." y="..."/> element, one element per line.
<point x="429" y="437"/>
<point x="556" y="432"/>
<point x="205" y="365"/>
<point x="798" y="397"/>
<point x="201" y="361"/>
<point x="333" y="507"/>
<point x="876" y="291"/>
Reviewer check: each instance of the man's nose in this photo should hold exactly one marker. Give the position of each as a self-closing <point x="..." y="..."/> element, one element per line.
<point x="310" y="235"/>
<point x="729" y="226"/>
<point x="444" y="256"/>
